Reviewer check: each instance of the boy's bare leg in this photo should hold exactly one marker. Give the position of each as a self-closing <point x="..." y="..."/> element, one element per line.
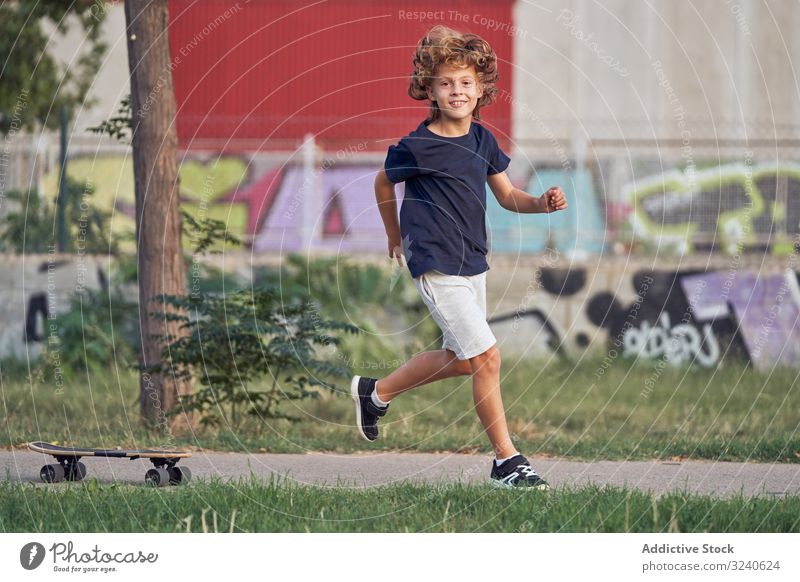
<point x="422" y="369"/>
<point x="488" y="401"/>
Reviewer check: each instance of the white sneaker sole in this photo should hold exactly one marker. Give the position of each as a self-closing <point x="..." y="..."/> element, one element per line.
<point x="357" y="400"/>
<point x="497" y="484"/>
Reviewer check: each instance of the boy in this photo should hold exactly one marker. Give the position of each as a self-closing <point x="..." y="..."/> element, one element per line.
<point x="445" y="164"/>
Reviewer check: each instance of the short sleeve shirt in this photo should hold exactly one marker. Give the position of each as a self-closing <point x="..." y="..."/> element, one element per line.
<point x="443" y="215"/>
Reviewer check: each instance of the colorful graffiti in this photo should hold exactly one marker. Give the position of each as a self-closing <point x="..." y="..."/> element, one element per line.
<point x="765" y="309"/>
<point x="350" y="221"/>
<point x="259" y="201"/>
<point x="723" y="208"/>
<point x="680" y="317"/>
<point x="345" y="217"/>
<point x="284" y="208"/>
<point x="279" y="208"/>
<point x="232" y="189"/>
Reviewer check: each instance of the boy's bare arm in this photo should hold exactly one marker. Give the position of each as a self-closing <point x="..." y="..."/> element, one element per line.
<point x="516" y="200"/>
<point x="387" y="204"/>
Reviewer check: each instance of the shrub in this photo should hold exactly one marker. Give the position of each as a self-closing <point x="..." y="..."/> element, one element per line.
<point x="232" y="341"/>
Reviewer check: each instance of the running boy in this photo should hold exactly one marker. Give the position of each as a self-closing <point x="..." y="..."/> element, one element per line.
<point x="446" y="163"/>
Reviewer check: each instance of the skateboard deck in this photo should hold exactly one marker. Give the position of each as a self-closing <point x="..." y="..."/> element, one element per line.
<point x="69" y="468"/>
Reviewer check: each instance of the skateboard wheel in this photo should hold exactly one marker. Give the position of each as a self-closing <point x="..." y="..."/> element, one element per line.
<point x="52" y="473"/>
<point x="157" y="477"/>
<point x="179" y="475"/>
<point x="77" y="472"/>
<point x="186" y="475"/>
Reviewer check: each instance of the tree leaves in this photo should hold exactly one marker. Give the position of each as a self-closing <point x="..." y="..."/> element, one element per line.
<point x="34" y="84"/>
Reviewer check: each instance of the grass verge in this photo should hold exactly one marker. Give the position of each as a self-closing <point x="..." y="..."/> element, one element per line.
<point x="255" y="506"/>
<point x="584" y="411"/>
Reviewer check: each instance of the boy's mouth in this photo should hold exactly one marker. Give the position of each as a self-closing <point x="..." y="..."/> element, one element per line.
<point x="458" y="103"/>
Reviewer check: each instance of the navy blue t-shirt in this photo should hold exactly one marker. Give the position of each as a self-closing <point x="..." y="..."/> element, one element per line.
<point x="443" y="215"/>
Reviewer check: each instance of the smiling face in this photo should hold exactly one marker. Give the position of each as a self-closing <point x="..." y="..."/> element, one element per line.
<point x="456" y="91"/>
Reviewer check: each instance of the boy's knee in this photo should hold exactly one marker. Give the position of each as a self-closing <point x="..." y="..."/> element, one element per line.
<point x="462" y="367"/>
<point x="486" y="363"/>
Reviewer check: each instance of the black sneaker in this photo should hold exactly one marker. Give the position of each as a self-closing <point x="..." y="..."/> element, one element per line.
<point x="517" y="472"/>
<point x="367" y="414"/>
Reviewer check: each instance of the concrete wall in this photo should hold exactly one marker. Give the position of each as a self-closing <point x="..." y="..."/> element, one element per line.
<point x="618" y="70"/>
<point x="639" y="94"/>
<point x="34" y="289"/>
<point x="696" y="310"/>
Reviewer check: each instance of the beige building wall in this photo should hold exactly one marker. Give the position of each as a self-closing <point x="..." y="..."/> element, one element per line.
<point x="645" y="70"/>
<point x="112" y="82"/>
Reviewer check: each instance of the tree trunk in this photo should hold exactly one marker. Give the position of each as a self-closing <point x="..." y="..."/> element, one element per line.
<point x="158" y="220"/>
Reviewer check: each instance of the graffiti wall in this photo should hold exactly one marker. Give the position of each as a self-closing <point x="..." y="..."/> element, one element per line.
<point x="334" y="210"/>
<point x="33" y="289"/>
<point x="764" y="309"/>
<point x="567" y="304"/>
<point x="269" y="204"/>
<point x="580" y="230"/>
<point x="680" y="316"/>
<point x="234" y="189"/>
<point x="722" y="208"/>
<point x="282" y="207"/>
<point x="285" y="208"/>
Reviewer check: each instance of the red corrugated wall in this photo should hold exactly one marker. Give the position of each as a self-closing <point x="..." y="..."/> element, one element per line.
<point x="265" y="73"/>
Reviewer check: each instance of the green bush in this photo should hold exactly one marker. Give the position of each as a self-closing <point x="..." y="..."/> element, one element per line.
<point x="99" y="330"/>
<point x="376" y="299"/>
<point x="232" y="341"/>
<point x="31" y="228"/>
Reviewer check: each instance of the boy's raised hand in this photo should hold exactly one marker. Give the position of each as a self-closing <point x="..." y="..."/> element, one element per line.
<point x="554" y="199"/>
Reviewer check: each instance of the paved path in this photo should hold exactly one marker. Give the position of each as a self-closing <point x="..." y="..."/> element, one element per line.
<point x="360" y="470"/>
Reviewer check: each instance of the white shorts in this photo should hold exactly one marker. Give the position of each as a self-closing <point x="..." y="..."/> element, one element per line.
<point x="458" y="305"/>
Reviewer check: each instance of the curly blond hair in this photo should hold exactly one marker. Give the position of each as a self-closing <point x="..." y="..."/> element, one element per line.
<point x="445" y="46"/>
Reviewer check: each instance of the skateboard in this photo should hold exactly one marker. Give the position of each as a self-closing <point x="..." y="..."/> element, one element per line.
<point x="69" y="468"/>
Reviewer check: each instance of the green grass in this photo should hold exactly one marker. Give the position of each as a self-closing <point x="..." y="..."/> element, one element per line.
<point x="582" y="411"/>
<point x="254" y="506"/>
